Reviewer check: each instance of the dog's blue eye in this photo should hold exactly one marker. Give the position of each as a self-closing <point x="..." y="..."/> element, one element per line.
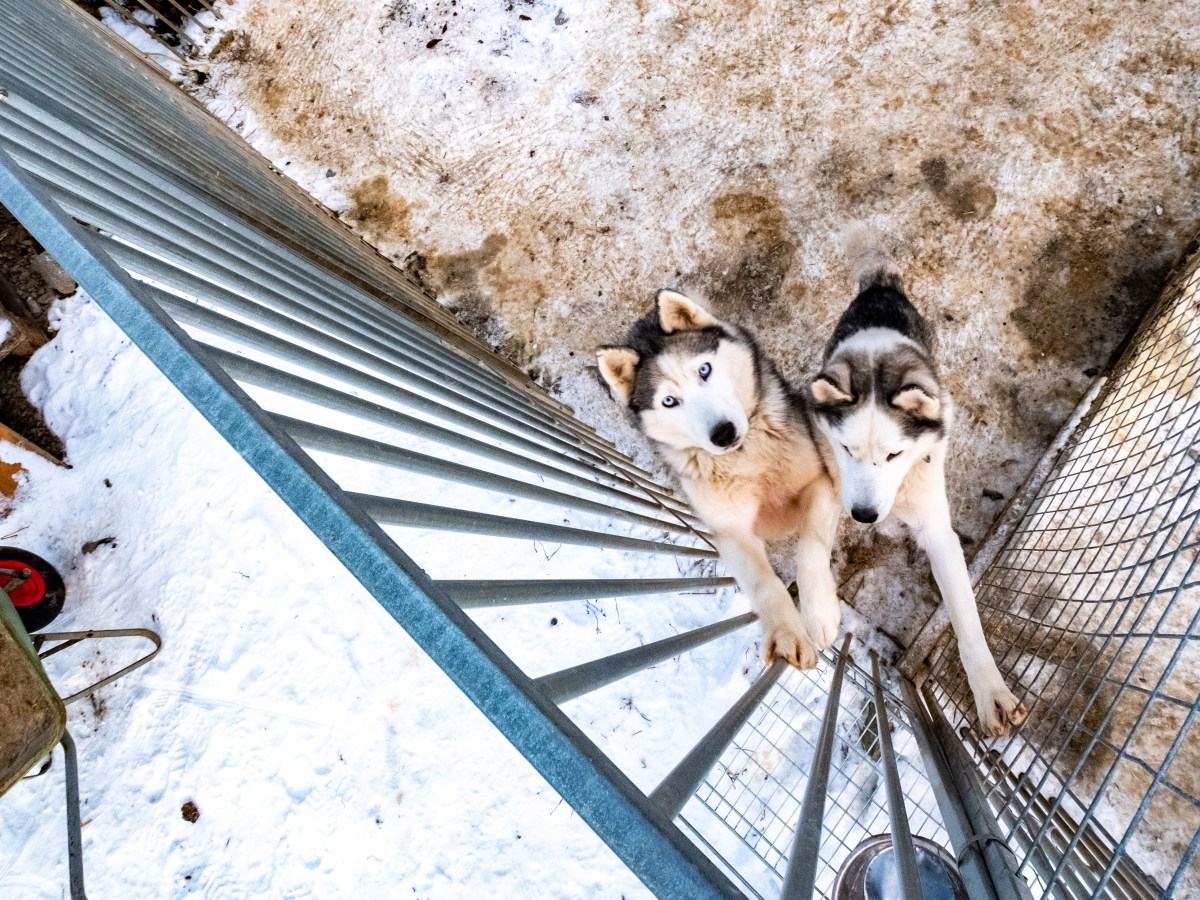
<point x="892" y="456"/>
<point x="669" y="401"/>
<point x="705" y="371"/>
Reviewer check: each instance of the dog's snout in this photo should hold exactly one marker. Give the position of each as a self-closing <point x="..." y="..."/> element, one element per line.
<point x="864" y="514"/>
<point x="723" y="435"/>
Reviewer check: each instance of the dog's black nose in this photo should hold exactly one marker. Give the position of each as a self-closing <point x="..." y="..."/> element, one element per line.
<point x="723" y="435"/>
<point x="864" y="514"/>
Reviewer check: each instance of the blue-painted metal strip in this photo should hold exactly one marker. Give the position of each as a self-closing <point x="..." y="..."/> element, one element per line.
<point x="657" y="852"/>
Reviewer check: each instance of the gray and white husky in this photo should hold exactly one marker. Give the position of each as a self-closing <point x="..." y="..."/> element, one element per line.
<point x="743" y="445"/>
<point x="881" y="406"/>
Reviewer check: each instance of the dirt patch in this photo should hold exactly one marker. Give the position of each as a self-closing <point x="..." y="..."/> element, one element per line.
<point x="461" y="272"/>
<point x="970" y="199"/>
<point x="750" y="281"/>
<point x="17" y="252"/>
<point x="378" y="210"/>
<point x="967" y="198"/>
<point x="857" y="176"/>
<point x="1088" y="288"/>
<point x="464" y="281"/>
<point x="936" y="173"/>
<point x="234" y="46"/>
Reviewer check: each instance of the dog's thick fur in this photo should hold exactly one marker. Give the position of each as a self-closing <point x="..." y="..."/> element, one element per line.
<point x="743" y="445"/>
<point x="882" y="407"/>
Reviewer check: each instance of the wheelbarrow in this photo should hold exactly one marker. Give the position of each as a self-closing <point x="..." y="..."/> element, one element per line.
<point x="33" y="717"/>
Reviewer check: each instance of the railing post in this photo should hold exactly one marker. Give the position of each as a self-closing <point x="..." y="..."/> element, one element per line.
<point x="801" y="874"/>
<point x="675" y="790"/>
<point x="902" y="842"/>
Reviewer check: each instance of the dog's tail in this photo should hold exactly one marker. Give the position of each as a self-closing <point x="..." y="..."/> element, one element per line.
<point x="871" y="263"/>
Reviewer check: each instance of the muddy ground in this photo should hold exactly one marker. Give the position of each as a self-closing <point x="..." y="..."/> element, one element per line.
<point x="17" y="252"/>
<point x="544" y="168"/>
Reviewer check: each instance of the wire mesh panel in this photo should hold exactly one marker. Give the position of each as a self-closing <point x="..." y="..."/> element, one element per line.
<point x="1092" y="609"/>
<point x="756" y="789"/>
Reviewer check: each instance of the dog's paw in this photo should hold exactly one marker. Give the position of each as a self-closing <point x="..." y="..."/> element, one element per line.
<point x="789" y="640"/>
<point x="822" y="616"/>
<point x="999" y="710"/>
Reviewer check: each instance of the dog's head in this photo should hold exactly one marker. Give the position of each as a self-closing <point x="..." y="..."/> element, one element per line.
<point x="879" y="401"/>
<point x="692" y="382"/>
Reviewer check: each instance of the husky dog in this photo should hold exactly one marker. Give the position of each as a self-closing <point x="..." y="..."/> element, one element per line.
<point x="743" y="446"/>
<point x="880" y="404"/>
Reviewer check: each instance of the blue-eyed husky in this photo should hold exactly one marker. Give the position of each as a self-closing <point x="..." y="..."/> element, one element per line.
<point x="881" y="406"/>
<point x="743" y="445"/>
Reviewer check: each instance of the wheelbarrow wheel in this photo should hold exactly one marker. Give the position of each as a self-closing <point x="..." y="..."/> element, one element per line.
<point x="39" y="599"/>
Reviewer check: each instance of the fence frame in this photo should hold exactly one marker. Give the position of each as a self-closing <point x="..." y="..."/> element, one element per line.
<point x="656" y="851"/>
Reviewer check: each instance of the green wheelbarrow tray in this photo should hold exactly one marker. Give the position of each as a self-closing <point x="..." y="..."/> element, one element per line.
<point x="32" y="717"/>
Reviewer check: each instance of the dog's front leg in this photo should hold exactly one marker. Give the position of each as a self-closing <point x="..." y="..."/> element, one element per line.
<point x="819" y="515"/>
<point x="997" y="707"/>
<point x="784" y="632"/>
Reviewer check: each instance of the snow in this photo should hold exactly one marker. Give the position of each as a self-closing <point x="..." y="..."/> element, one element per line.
<point x="140" y="40"/>
<point x="326" y="754"/>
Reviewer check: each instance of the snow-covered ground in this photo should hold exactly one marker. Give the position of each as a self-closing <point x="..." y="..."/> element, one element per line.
<point x="327" y="756"/>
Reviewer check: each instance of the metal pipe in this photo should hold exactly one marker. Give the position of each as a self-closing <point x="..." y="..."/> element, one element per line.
<point x="74" y="826"/>
<point x="551" y="407"/>
<point x="252" y="300"/>
<point x="129" y="19"/>
<point x="682" y="782"/>
<point x="71" y="638"/>
<point x="406" y="513"/>
<point x="958" y="824"/>
<point x="68" y="186"/>
<point x="902" y="842"/>
<point x="568" y="684"/>
<point x="801" y="877"/>
<point x="480" y="417"/>
<point x="136" y="186"/>
<point x="402" y="387"/>
<point x="997" y="857"/>
<point x="251" y="372"/>
<point x="669" y="864"/>
<point x="241" y="177"/>
<point x="133" y="186"/>
<point x="1045" y="855"/>
<point x="184" y="41"/>
<point x="315" y="437"/>
<point x="1023" y="830"/>
<point x="485" y="594"/>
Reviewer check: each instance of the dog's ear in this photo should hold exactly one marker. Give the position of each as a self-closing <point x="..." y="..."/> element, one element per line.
<point x="618" y="368"/>
<point x="678" y="313"/>
<point x="832" y="386"/>
<point x="919" y="398"/>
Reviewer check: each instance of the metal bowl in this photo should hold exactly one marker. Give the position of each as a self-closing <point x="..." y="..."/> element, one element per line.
<point x="871" y="872"/>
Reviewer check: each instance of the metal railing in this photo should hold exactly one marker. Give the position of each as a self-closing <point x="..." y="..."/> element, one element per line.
<point x="166" y="22"/>
<point x="297" y="341"/>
